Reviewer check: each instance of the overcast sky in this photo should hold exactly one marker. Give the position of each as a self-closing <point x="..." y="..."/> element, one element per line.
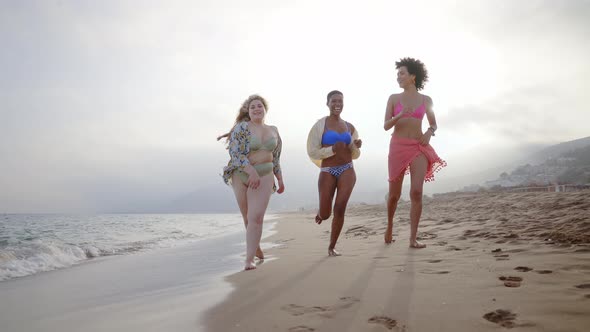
<point x="115" y="105"/>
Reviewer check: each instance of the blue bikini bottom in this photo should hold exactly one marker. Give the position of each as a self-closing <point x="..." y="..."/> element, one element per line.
<point x="337" y="170"/>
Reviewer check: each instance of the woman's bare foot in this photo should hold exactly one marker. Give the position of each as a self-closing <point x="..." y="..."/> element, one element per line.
<point x="250" y="266"/>
<point x="318" y="219"/>
<point x="333" y="252"/>
<point x="389" y="235"/>
<point x="417" y="245"/>
<point x="259" y="254"/>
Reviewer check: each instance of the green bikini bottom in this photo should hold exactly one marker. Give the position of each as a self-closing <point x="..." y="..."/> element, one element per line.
<point x="262" y="170"/>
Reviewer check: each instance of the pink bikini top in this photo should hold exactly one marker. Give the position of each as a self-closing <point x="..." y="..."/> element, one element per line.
<point x="418" y="112"/>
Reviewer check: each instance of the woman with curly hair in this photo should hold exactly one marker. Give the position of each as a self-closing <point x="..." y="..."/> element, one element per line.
<point x="332" y="144"/>
<point x="255" y="151"/>
<point x="409" y="148"/>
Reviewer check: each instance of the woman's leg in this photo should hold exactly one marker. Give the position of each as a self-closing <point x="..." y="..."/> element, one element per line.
<point x="418" y="169"/>
<point x="395" y="192"/>
<point x="240" y="192"/>
<point x="326" y="188"/>
<point x="257" y="202"/>
<point x="344" y="185"/>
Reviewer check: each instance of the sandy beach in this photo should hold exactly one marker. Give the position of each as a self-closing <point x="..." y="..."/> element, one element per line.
<point x="493" y="261"/>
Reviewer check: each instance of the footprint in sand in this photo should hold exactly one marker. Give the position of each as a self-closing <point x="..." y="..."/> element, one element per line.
<point x="544" y="271"/>
<point x="453" y="248"/>
<point x="504" y="318"/>
<point x="387" y="322"/>
<point x="497" y="250"/>
<point x="426" y="236"/>
<point x="359" y="231"/>
<point x="446" y="221"/>
<point x="298" y="310"/>
<point x="301" y="328"/>
<point x="511" y="281"/>
<point x="434" y="261"/>
<point x="583" y="286"/>
<point x="435" y="272"/>
<point x="510" y="278"/>
<point x="502" y="257"/>
<point x="523" y="269"/>
<point x="348" y="301"/>
<point x="470" y="232"/>
<point x="513" y="251"/>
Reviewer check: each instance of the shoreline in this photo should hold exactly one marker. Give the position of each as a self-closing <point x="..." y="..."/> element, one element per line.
<point x="165" y="289"/>
<point x="517" y="260"/>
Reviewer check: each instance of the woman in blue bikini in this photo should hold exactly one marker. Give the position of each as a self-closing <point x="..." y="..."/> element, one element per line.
<point x="332" y="144"/>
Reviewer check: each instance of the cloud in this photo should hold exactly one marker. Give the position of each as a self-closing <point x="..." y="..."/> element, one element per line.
<point x="95" y="96"/>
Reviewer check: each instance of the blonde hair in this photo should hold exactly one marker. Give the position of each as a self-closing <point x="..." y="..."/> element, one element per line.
<point x="243" y="114"/>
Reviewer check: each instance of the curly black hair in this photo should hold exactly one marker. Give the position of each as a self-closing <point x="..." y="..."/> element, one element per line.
<point x="331" y="93"/>
<point x="415" y="67"/>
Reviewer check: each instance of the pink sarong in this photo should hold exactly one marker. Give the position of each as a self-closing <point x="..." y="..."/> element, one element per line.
<point x="402" y="151"/>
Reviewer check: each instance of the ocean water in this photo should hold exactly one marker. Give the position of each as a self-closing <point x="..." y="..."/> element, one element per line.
<point x="30" y="244"/>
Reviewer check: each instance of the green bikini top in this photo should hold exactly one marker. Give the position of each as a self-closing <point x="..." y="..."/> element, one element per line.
<point x="269" y="145"/>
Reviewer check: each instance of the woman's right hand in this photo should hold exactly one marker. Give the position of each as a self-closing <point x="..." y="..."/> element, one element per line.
<point x="339" y="147"/>
<point x="254" y="181"/>
<point x="253" y="177"/>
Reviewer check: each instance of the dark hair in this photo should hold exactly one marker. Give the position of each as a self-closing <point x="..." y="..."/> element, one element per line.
<point x="415" y="67"/>
<point x="331" y="93"/>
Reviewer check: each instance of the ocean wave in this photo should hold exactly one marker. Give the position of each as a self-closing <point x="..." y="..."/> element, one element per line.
<point x="34" y="243"/>
<point x="37" y="256"/>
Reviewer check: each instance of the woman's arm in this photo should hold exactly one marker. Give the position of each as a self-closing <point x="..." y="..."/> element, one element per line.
<point x="355" y="144"/>
<point x="314" y="143"/>
<point x="276" y="161"/>
<point x="430" y="115"/>
<point x="391" y="120"/>
<point x="239" y="148"/>
<point x="223" y="136"/>
<point x="425" y="140"/>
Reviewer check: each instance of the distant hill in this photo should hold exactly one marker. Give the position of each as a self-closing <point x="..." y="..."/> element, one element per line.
<point x="555" y="151"/>
<point x="564" y="163"/>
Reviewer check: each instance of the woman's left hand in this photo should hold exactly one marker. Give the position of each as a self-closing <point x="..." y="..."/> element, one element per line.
<point x="425" y="139"/>
<point x="281" y="187"/>
<point x="358" y="143"/>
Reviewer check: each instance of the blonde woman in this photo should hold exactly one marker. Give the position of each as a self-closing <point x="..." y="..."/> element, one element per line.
<point x="255" y="150"/>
